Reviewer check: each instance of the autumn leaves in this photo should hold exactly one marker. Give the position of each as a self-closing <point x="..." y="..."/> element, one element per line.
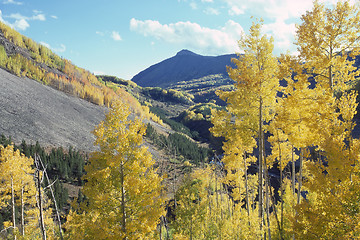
<point x="311" y="123"/>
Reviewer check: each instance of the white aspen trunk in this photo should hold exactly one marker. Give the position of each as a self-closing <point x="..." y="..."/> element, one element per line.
<point x="22" y="210"/>
<point x="261" y="190"/>
<point x="293" y="171"/>
<point x="300" y="176"/>
<point x="331" y="80"/>
<point x="13" y="206"/>
<point x="281" y="194"/>
<point x="246" y="188"/>
<point x="267" y="199"/>
<point x="41" y="223"/>
<point x="160" y="232"/>
<point x="53" y="197"/>
<point x="123" y="218"/>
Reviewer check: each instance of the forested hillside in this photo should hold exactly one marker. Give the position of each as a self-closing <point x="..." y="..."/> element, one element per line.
<point x="287" y="166"/>
<point x="24" y="57"/>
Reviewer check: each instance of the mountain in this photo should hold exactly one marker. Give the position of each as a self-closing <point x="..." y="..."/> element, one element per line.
<point x="184" y="66"/>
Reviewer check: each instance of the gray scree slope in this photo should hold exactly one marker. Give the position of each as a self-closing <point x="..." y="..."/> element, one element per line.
<point x="35" y="112"/>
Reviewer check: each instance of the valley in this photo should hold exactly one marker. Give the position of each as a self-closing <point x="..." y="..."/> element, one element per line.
<point x="235" y="146"/>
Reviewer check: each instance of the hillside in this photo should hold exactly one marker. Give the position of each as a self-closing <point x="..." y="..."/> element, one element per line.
<point x="184" y="66"/>
<point x="34" y="112"/>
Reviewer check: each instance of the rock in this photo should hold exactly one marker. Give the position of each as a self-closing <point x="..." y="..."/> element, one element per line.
<point x="34" y="112"/>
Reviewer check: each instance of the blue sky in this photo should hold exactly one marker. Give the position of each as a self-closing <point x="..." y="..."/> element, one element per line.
<point x="123" y="37"/>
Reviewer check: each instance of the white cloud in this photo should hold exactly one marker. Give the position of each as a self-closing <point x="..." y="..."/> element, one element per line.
<point x="54" y="17"/>
<point x="282" y="32"/>
<point x="37" y="11"/>
<point x="116" y="36"/>
<point x="12" y="2"/>
<point x="1" y="19"/>
<point x="22" y="22"/>
<point x="235" y="10"/>
<point x="99" y="33"/>
<point x="60" y="49"/>
<point x="280" y="16"/>
<point x="99" y="73"/>
<point x="209" y="1"/>
<point x="192" y="35"/>
<point x="211" y="11"/>
<point x="193" y="5"/>
<point x="18" y="16"/>
<point x="45" y="44"/>
<point x="40" y="17"/>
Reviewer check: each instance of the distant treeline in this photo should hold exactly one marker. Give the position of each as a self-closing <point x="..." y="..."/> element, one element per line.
<point x="61" y="165"/>
<point x="169" y="95"/>
<point x="179" y="146"/>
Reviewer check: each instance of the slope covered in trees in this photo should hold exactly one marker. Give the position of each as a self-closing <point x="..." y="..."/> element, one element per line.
<point x="24" y="57"/>
<point x="301" y="130"/>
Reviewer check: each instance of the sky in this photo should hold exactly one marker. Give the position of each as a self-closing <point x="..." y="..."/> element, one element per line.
<point x="123" y="37"/>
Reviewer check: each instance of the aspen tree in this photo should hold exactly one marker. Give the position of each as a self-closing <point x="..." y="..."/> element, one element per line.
<point x="193" y="207"/>
<point x="123" y="190"/>
<point x="206" y="210"/>
<point x="328" y="39"/>
<point x="17" y="181"/>
<point x="18" y="187"/>
<point x="253" y="100"/>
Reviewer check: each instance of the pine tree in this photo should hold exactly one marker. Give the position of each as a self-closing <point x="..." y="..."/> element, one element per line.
<point x="123" y="191"/>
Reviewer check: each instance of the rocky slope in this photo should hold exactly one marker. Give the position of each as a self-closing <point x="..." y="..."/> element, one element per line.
<point x="34" y="112"/>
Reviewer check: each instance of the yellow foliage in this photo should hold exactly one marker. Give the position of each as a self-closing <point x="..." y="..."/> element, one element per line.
<point x="123" y="190"/>
<point x="17" y="178"/>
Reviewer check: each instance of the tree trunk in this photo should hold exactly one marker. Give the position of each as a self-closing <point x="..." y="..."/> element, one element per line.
<point x="261" y="154"/>
<point x="53" y="197"/>
<point x="293" y="182"/>
<point x="22" y="210"/>
<point x="160" y="232"/>
<point x="13" y="206"/>
<point x="123" y="218"/>
<point x="246" y="188"/>
<point x="300" y="176"/>
<point x="281" y="195"/>
<point x="41" y="222"/>
<point x="331" y="80"/>
<point x="293" y="171"/>
<point x="267" y="202"/>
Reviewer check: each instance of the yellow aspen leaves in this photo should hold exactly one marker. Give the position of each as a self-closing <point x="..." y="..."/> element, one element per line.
<point x="123" y="190"/>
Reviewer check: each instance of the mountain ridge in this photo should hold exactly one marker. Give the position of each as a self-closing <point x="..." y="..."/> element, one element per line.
<point x="184" y="66"/>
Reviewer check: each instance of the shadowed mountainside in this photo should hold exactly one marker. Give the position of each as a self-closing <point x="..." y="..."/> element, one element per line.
<point x="185" y="66"/>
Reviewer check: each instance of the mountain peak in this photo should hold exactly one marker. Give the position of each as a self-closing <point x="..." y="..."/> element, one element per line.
<point x="185" y="52"/>
<point x="185" y="66"/>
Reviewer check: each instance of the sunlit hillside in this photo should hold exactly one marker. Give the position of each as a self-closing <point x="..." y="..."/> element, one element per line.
<point x="24" y="57"/>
